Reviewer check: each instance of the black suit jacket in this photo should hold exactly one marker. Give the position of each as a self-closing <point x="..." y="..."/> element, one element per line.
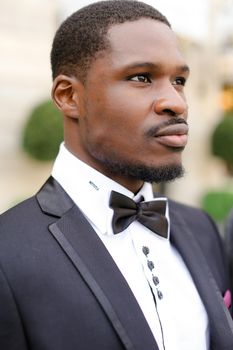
<point x="61" y="290"/>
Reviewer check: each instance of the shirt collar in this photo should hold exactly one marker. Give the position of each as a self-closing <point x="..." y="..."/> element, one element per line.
<point x="90" y="189"/>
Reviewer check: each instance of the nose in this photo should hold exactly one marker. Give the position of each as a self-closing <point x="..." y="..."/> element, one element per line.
<point x="170" y="102"/>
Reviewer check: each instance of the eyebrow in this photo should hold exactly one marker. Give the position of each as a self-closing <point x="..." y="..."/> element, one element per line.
<point x="182" y="68"/>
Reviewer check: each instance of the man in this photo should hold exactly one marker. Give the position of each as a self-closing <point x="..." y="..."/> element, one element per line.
<point x="93" y="261"/>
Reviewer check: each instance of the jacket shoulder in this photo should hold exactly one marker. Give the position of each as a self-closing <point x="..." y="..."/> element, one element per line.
<point x="206" y="233"/>
<point x="194" y="216"/>
<point x="19" y="211"/>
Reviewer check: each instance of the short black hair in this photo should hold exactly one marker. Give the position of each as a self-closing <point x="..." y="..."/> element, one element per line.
<point x="82" y="35"/>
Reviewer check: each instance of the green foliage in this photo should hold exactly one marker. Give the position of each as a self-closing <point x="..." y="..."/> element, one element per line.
<point x="218" y="204"/>
<point x="43" y="132"/>
<point x="222" y="139"/>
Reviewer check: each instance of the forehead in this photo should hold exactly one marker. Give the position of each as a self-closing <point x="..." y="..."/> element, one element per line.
<point x="143" y="39"/>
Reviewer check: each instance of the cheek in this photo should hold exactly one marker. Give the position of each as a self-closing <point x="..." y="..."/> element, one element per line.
<point x="116" y="114"/>
<point x="124" y="111"/>
<point x="110" y="117"/>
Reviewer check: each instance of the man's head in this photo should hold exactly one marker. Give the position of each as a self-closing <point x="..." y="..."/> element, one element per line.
<point x="83" y="35"/>
<point x="124" y="106"/>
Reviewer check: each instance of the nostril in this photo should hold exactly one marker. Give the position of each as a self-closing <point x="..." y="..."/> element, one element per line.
<point x="170" y="112"/>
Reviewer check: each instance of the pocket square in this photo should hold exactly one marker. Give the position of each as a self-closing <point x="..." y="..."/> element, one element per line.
<point x="227" y="299"/>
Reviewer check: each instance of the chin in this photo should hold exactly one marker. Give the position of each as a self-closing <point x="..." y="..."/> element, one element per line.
<point x="153" y="173"/>
<point x="160" y="173"/>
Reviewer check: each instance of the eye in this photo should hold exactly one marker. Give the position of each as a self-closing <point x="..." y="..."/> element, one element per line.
<point x="179" y="81"/>
<point x="141" y="78"/>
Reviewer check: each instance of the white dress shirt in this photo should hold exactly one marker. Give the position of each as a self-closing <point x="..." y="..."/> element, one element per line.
<point x="159" y="279"/>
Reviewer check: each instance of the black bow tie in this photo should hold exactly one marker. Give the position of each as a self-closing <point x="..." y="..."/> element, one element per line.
<point x="150" y="214"/>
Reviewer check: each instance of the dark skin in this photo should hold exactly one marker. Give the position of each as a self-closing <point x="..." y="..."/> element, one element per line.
<point x="132" y="91"/>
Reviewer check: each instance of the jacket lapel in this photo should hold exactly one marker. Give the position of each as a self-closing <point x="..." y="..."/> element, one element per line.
<point x="221" y="325"/>
<point x="88" y="254"/>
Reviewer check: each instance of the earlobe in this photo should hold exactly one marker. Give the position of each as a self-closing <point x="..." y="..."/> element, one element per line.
<point x="65" y="95"/>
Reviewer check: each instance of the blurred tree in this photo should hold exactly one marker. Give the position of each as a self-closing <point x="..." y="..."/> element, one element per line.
<point x="43" y="132"/>
<point x="222" y="140"/>
<point x="218" y="204"/>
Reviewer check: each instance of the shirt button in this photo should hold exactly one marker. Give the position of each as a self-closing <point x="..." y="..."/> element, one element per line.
<point x="155" y="280"/>
<point x="160" y="294"/>
<point x="145" y="250"/>
<point x="150" y="264"/>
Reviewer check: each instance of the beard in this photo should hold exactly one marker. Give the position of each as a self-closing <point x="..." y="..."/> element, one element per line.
<point x="117" y="166"/>
<point x="158" y="174"/>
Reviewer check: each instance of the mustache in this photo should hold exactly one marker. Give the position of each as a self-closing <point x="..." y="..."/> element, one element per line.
<point x="153" y="131"/>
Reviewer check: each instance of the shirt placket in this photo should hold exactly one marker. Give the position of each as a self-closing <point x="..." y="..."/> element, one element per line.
<point x="151" y="273"/>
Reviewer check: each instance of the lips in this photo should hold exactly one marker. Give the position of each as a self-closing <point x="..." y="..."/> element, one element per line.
<point x="175" y="135"/>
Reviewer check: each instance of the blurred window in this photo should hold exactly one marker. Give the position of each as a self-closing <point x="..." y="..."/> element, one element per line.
<point x="227" y="97"/>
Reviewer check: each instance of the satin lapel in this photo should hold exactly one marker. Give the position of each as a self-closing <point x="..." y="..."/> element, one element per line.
<point x="221" y="326"/>
<point x="88" y="254"/>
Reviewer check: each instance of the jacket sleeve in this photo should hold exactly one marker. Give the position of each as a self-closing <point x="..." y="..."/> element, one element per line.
<point x="11" y="330"/>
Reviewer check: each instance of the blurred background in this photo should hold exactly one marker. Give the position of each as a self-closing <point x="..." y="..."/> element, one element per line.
<point x="30" y="129"/>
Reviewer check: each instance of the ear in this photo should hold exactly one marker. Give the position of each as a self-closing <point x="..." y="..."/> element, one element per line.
<point x="66" y="93"/>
